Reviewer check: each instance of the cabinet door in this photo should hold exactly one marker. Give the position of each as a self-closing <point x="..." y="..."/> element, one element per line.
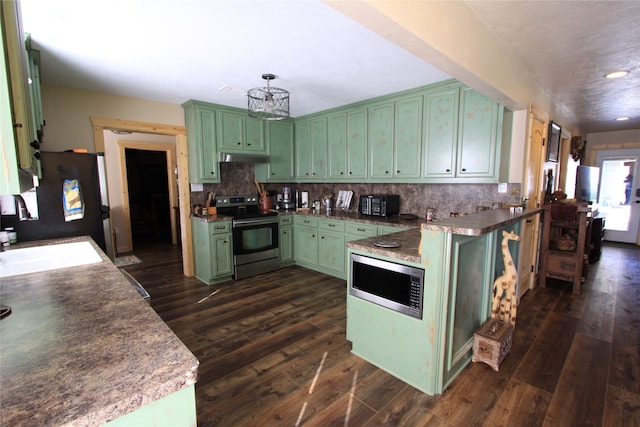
<point x="201" y="141"/>
<point x="281" y="159"/>
<point x="303" y="149"/>
<point x="381" y="140"/>
<point x="230" y="135"/>
<point x="441" y="127"/>
<point x="357" y="144"/>
<point x="253" y="134"/>
<point x="286" y="244"/>
<point x="337" y="145"/>
<point x="408" y="137"/>
<point x="331" y="252"/>
<point x="221" y="249"/>
<point x="468" y="302"/>
<point x="306" y="244"/>
<point x="478" y="135"/>
<point x="319" y="148"/>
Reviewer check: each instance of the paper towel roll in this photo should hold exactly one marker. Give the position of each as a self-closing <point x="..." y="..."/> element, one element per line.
<point x="305" y="199"/>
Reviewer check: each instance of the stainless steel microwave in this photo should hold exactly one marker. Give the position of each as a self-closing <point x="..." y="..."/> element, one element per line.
<point x="397" y="287"/>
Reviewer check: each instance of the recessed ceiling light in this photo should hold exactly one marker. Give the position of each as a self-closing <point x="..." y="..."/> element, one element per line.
<point x="616" y="74"/>
<point x="622" y="119"/>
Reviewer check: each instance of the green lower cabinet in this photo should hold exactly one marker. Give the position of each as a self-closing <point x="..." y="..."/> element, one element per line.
<point x="212" y="248"/>
<point x="286" y="240"/>
<point x="306" y="245"/>
<point x="320" y="245"/>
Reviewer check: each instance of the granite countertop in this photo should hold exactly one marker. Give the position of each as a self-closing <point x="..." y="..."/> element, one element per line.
<point x="479" y="223"/>
<point x="408" y="250"/>
<point x="82" y="347"/>
<point x="475" y="224"/>
<point x="394" y="221"/>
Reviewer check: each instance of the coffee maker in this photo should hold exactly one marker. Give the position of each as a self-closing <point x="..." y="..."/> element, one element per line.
<point x="289" y="201"/>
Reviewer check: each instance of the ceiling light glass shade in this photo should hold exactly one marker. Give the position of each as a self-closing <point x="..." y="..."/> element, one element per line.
<point x="622" y="119"/>
<point x="268" y="103"/>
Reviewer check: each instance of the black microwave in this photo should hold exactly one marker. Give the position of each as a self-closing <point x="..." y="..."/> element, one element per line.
<point x="397" y="287"/>
<point x="379" y="205"/>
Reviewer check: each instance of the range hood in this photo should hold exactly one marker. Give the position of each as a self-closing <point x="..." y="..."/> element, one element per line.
<point x="243" y="158"/>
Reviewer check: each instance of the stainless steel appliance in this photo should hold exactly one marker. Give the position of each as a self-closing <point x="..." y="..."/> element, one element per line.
<point x="397" y="287"/>
<point x="379" y="205"/>
<point x="254" y="233"/>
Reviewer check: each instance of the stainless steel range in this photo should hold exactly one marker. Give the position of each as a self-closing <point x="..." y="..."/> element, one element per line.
<point x="255" y="235"/>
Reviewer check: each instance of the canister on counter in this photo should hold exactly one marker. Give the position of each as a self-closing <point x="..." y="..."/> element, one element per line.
<point x="428" y="216"/>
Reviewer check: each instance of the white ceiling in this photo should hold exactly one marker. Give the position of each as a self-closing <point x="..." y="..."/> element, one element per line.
<point x="172" y="51"/>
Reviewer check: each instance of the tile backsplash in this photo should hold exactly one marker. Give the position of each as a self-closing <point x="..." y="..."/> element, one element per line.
<point x="237" y="178"/>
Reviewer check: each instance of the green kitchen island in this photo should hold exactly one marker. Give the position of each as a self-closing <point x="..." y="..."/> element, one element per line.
<point x="461" y="258"/>
<point x="82" y="347"/>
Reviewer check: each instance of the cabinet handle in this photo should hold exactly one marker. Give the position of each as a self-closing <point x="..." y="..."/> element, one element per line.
<point x="273" y="173"/>
<point x="239" y="143"/>
<point x="313" y="235"/>
<point x="224" y="241"/>
<point x="213" y="173"/>
<point x="397" y="171"/>
<point x="248" y="144"/>
<point x="464" y="169"/>
<point x="35" y="144"/>
<point x="341" y="173"/>
<point x="350" y="172"/>
<point x="447" y="170"/>
<point x="529" y="221"/>
<point x="386" y="171"/>
<point x="322" y="237"/>
<point x="360" y="229"/>
<point x="307" y="173"/>
<point x="331" y="225"/>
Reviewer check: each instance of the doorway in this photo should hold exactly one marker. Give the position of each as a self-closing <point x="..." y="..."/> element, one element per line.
<point x="618" y="197"/>
<point x="149" y="204"/>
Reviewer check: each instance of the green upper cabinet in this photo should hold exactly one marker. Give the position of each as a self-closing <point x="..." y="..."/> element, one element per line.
<point x="337" y="145"/>
<point x="200" y="120"/>
<point x="357" y="143"/>
<point x="381" y="140"/>
<point x="463" y="136"/>
<point x="479" y="135"/>
<point x="281" y="165"/>
<point x="395" y="138"/>
<point x="311" y="148"/>
<point x="21" y="120"/>
<point x="441" y="133"/>
<point x="408" y="137"/>
<point x="239" y="132"/>
<point x="303" y="148"/>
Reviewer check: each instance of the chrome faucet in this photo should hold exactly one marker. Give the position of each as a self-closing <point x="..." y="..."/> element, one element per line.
<point x="23" y="211"/>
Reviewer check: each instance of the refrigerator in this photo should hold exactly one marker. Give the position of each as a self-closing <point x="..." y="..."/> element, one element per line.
<point x="88" y="169"/>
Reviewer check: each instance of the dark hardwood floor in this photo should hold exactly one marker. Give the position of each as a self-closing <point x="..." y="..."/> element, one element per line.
<point x="272" y="352"/>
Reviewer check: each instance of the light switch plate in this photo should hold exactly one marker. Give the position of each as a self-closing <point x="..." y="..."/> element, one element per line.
<point x="502" y="187"/>
<point x="196" y="187"/>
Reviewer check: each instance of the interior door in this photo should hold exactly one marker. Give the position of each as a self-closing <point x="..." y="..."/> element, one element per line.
<point x="532" y="191"/>
<point x="619" y="194"/>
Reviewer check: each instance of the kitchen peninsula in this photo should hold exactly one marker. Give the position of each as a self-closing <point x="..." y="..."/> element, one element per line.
<point x="82" y="347"/>
<point x="460" y="257"/>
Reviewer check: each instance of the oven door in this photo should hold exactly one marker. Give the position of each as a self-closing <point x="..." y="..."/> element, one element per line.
<point x="254" y="235"/>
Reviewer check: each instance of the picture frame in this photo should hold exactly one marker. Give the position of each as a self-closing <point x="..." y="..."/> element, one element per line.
<point x="553" y="145"/>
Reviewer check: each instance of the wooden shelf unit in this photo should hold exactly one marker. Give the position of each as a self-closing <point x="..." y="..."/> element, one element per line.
<point x="567" y="265"/>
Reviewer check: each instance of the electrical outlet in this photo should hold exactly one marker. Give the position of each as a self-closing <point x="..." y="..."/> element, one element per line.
<point x="502" y="187"/>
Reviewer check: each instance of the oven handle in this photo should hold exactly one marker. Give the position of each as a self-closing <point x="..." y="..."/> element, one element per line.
<point x="254" y="221"/>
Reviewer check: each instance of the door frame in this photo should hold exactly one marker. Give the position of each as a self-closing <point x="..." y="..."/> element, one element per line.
<point x="532" y="183"/>
<point x="100" y="124"/>
<point x="170" y="152"/>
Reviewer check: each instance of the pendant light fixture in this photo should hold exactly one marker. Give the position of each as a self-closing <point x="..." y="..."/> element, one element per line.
<point x="268" y="103"/>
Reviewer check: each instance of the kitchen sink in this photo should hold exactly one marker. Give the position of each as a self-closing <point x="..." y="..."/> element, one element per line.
<point x="50" y="257"/>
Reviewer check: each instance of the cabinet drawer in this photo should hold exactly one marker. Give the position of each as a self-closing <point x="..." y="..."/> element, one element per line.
<point x="220" y="227"/>
<point x="331" y="225"/>
<point x="386" y="229"/>
<point x="286" y="219"/>
<point x="306" y="221"/>
<point x="561" y="264"/>
<point x="360" y="229"/>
